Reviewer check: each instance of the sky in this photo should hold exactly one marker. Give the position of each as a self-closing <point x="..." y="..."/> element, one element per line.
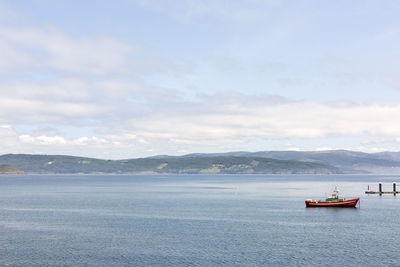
<point x="137" y="78"/>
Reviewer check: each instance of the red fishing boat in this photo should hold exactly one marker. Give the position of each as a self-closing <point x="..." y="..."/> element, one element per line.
<point x="333" y="201"/>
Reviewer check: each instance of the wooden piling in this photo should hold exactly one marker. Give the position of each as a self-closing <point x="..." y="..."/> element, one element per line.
<point x="381" y="192"/>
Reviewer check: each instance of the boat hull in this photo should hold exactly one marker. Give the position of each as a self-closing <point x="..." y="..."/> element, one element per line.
<point x="351" y="203"/>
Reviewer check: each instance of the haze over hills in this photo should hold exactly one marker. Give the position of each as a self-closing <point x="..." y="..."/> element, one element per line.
<point x="263" y="162"/>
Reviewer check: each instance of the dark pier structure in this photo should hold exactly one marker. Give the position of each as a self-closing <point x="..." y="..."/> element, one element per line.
<point x="380" y="192"/>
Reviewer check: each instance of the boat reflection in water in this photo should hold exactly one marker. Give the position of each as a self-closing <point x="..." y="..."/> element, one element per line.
<point x="333" y="201"/>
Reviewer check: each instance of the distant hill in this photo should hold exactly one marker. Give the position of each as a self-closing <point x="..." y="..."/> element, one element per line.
<point x="268" y="162"/>
<point x="346" y="161"/>
<point x="182" y="165"/>
<point x="8" y="169"/>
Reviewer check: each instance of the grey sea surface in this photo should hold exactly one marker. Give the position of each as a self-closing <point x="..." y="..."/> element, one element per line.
<point x="195" y="220"/>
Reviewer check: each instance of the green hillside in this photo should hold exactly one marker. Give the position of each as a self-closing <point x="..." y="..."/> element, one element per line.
<point x="184" y="165"/>
<point x="346" y="161"/>
<point x="267" y="162"/>
<point x="8" y="169"/>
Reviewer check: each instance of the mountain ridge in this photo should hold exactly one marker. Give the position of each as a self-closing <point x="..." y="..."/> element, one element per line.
<point x="186" y="165"/>
<point x="269" y="162"/>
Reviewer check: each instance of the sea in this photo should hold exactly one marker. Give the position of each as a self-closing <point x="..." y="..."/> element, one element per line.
<point x="196" y="220"/>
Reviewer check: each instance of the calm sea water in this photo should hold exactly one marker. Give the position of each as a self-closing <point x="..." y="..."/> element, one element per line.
<point x="194" y="220"/>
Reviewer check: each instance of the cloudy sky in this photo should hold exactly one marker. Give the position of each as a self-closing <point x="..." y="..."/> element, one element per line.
<point x="135" y="78"/>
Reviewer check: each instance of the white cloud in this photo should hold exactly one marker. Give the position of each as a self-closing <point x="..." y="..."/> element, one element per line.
<point x="164" y="122"/>
<point x="208" y="125"/>
<point x="88" y="141"/>
<point x="93" y="90"/>
<point x="9" y="141"/>
<point x="42" y="140"/>
<point x="225" y="63"/>
<point x="61" y="89"/>
<point x="371" y="149"/>
<point x="50" y="49"/>
<point x="76" y="101"/>
<point x="15" y="110"/>
<point x="56" y="50"/>
<point x="6" y="131"/>
<point x="292" y="149"/>
<point x="238" y="122"/>
<point x="188" y="10"/>
<point x="12" y="58"/>
<point x="61" y="141"/>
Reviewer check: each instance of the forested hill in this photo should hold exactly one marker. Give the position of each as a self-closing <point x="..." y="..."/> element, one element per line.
<point x="268" y="162"/>
<point x="8" y="169"/>
<point x="346" y="161"/>
<point x="182" y="165"/>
